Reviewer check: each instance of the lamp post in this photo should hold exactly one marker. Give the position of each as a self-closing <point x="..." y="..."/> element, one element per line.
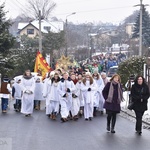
<point x="40" y="33"/>
<point x="140" y="30"/>
<point x="140" y="42"/>
<point x="66" y="51"/>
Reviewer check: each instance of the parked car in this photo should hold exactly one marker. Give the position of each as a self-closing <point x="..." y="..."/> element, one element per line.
<point x="112" y="70"/>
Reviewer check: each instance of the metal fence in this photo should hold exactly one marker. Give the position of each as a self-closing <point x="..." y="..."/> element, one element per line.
<point x="147" y="74"/>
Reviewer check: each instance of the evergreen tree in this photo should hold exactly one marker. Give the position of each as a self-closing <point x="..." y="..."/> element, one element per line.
<point x="6" y="39"/>
<point x="145" y="27"/>
<point x="131" y="66"/>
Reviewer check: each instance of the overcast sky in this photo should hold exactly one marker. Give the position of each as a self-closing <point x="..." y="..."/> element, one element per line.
<point x="86" y="10"/>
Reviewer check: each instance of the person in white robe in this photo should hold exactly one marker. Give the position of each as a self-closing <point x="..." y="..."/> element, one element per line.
<point x="17" y="94"/>
<point x="104" y="77"/>
<point x="88" y="87"/>
<point x="99" y="99"/>
<point x="28" y="87"/>
<point x="38" y="96"/>
<point x="75" y="99"/>
<point x="65" y="88"/>
<point x="81" y="100"/>
<point x="53" y="97"/>
<point x="46" y="92"/>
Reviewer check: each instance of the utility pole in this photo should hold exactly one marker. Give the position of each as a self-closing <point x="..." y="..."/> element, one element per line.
<point x="140" y="30"/>
<point x="66" y="51"/>
<point x="66" y="23"/>
<point x="40" y="34"/>
<point x="140" y="41"/>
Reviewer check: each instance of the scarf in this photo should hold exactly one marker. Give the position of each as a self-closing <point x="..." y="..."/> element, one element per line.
<point x="75" y="81"/>
<point x="111" y="92"/>
<point x="27" y="77"/>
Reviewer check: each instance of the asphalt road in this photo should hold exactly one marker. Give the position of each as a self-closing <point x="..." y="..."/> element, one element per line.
<point x="38" y="132"/>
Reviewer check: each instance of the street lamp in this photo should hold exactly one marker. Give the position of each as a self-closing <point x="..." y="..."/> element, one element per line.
<point x="66" y="52"/>
<point x="141" y="10"/>
<point x="140" y="30"/>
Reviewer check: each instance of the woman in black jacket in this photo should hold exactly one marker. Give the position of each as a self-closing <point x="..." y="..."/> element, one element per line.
<point x="140" y="95"/>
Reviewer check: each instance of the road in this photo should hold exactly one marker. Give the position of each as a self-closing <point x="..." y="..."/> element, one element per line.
<point x="40" y="133"/>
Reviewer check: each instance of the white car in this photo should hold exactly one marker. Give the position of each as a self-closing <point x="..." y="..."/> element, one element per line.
<point x="112" y="70"/>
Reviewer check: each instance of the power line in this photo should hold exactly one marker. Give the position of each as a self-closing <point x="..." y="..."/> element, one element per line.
<point x="103" y="9"/>
<point x="22" y="6"/>
<point x="83" y="1"/>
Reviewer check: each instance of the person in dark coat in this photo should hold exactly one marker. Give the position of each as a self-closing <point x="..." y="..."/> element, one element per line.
<point x="5" y="91"/>
<point x="113" y="95"/>
<point x="139" y="95"/>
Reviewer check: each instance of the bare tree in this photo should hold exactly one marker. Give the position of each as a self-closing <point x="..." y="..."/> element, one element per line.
<point x="45" y="6"/>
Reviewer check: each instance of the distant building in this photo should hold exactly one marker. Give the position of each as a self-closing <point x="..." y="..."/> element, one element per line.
<point x="31" y="29"/>
<point x="129" y="29"/>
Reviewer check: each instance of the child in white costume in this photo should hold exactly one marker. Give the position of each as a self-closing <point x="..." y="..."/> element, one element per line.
<point x="38" y="96"/>
<point x="88" y="87"/>
<point x="75" y="99"/>
<point x="65" y="88"/>
<point x="81" y="100"/>
<point x="54" y="97"/>
<point x="17" y="94"/>
<point x="46" y="91"/>
<point x="99" y="100"/>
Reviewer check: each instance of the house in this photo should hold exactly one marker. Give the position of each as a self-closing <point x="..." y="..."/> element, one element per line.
<point x="129" y="29"/>
<point x="32" y="28"/>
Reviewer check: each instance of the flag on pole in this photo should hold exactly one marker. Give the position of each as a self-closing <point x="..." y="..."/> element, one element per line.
<point x="41" y="65"/>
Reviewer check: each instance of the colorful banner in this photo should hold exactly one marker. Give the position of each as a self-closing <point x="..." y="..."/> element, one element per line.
<point x="41" y="66"/>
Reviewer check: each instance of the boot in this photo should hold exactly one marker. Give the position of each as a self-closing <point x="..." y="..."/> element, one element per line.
<point x="112" y="130"/>
<point x="108" y="122"/>
<point x="54" y="116"/>
<point x="113" y="124"/>
<point x="51" y="116"/>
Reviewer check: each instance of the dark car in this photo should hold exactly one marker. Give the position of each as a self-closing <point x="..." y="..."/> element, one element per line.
<point x="112" y="70"/>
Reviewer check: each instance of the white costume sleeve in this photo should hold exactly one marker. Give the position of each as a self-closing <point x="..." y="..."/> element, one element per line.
<point x="9" y="88"/>
<point x="73" y="88"/>
<point x="93" y="86"/>
<point x="46" y="87"/>
<point x="83" y="87"/>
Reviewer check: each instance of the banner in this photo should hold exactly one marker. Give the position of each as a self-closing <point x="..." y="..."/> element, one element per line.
<point x="41" y="66"/>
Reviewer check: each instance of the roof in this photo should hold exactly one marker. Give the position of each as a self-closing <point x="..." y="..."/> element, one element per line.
<point x="45" y="26"/>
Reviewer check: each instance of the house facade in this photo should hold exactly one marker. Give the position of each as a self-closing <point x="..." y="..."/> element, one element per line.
<point x="31" y="29"/>
<point x="129" y="29"/>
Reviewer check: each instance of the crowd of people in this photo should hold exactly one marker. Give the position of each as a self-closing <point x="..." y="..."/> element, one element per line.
<point x="74" y="94"/>
<point x="103" y="62"/>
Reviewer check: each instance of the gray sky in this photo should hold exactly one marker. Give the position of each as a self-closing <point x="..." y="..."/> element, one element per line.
<point x="86" y="10"/>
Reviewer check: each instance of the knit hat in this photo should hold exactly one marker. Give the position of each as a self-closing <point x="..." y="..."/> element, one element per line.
<point x="88" y="74"/>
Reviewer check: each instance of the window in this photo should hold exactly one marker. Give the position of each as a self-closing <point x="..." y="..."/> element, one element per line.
<point x="30" y="31"/>
<point x="47" y="28"/>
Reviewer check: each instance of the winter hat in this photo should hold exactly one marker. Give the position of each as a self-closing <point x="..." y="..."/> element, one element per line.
<point x="88" y="74"/>
<point x="5" y="78"/>
<point x="52" y="73"/>
<point x="38" y="80"/>
<point x="103" y="73"/>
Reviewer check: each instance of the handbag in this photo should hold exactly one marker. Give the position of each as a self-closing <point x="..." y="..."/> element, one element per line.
<point x="131" y="105"/>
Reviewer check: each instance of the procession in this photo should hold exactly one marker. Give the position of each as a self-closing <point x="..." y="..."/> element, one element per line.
<point x="74" y="74"/>
<point x="70" y="93"/>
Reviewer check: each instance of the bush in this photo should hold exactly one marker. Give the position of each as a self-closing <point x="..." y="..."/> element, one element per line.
<point x="132" y="66"/>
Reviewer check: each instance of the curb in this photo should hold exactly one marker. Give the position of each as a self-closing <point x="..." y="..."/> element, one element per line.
<point x="133" y="116"/>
